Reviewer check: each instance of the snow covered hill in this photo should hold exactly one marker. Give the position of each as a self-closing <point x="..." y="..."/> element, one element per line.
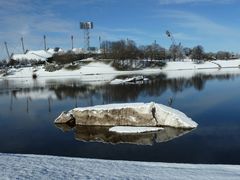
<point x="16" y="166"/>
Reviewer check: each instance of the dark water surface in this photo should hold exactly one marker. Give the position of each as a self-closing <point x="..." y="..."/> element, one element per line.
<point x="28" y="109"/>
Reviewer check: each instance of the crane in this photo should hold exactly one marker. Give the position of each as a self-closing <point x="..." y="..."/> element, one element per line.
<point x="169" y="34"/>
<point x="178" y="51"/>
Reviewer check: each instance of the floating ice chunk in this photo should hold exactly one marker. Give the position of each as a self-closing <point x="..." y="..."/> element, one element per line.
<point x="130" y="114"/>
<point x="135" y="79"/>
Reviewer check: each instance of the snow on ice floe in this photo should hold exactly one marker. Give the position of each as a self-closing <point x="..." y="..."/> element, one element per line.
<point x="129" y="114"/>
<point x="131" y="129"/>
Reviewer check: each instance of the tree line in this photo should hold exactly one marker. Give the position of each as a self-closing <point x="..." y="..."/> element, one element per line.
<point x="128" y="49"/>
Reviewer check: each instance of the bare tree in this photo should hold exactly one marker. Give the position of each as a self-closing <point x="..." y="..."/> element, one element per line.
<point x="223" y="55"/>
<point x="197" y="53"/>
<point x="176" y="52"/>
<point x="105" y="47"/>
<point x="131" y="50"/>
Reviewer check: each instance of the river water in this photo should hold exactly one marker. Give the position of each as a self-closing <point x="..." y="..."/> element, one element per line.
<point x="29" y="107"/>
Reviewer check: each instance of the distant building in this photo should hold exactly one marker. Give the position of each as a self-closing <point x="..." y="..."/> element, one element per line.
<point x="37" y="55"/>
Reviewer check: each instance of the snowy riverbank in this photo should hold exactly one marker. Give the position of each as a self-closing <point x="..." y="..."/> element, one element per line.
<point x="16" y="166"/>
<point x="99" y="71"/>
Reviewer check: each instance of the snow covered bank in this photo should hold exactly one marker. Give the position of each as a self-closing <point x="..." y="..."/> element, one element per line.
<point x="98" y="72"/>
<point x="190" y="65"/>
<point x="94" y="71"/>
<point x="101" y="71"/>
<point x="128" y="114"/>
<point x="16" y="166"/>
<point x="228" y="63"/>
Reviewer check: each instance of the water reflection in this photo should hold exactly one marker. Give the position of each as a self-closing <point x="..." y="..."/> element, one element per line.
<point x="106" y="93"/>
<point x="102" y="134"/>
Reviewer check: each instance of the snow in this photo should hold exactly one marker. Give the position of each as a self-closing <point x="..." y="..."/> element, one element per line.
<point x="188" y="65"/>
<point x="17" y="166"/>
<point x="94" y="71"/>
<point x="188" y="69"/>
<point x="168" y="116"/>
<point x="114" y="106"/>
<point x="228" y="63"/>
<point x="132" y="130"/>
<point x="97" y="68"/>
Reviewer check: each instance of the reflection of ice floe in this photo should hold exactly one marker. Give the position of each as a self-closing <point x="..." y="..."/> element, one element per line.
<point x="65" y="127"/>
<point x="128" y="114"/>
<point x="135" y="79"/>
<point x="102" y="134"/>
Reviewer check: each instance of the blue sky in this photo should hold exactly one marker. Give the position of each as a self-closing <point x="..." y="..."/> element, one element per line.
<point x="214" y="24"/>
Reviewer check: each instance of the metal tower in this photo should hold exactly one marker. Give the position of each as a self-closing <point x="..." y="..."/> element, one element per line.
<point x="86" y="26"/>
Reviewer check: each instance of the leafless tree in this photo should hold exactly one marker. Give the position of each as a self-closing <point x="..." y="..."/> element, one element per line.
<point x="176" y="52"/>
<point x="197" y="53"/>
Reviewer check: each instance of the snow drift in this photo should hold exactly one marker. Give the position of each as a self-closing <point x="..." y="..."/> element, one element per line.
<point x="135" y="114"/>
